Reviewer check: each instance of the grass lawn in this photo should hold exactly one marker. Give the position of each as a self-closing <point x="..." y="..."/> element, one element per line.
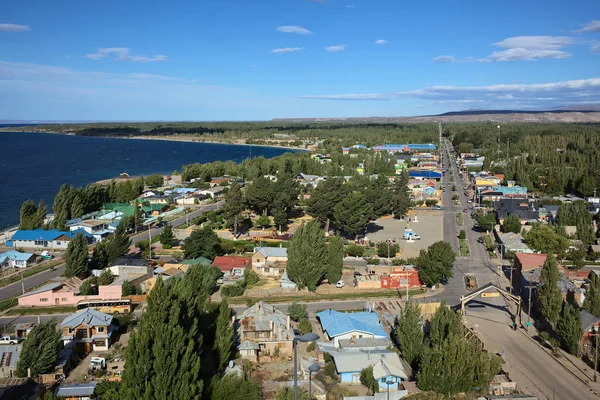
<point x="459" y="218"/>
<point x="8" y="303"/>
<point x="40" y="310"/>
<point x="333" y="296"/>
<point x="28" y="272"/>
<point x="464" y="247"/>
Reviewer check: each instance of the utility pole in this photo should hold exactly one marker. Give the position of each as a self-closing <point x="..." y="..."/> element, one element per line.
<point x="22" y="283"/>
<point x="529" y="304"/>
<point x="149" y="243"/>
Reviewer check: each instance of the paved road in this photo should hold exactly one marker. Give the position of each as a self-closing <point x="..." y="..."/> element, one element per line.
<point x="177" y="221"/>
<point x="15" y="289"/>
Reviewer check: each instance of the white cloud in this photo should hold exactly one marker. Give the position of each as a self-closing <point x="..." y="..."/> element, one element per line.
<point x="444" y="59"/>
<point x="294" y="29"/>
<point x="592" y="26"/>
<point x="13" y="28"/>
<point x="381" y="41"/>
<point x="521" y="95"/>
<point x="123" y="54"/>
<point x="596" y="47"/>
<point x="536" y="42"/>
<point x="339" y="47"/>
<point x="530" y="48"/>
<point x="287" y="49"/>
<point x="518" y="54"/>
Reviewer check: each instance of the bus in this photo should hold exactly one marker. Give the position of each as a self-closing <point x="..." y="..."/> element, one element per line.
<point x="106" y="306"/>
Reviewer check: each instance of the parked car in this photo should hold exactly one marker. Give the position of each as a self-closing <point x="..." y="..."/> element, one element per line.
<point x="480" y="240"/>
<point x="465" y="210"/>
<point x="340" y="284"/>
<point x="9" y="340"/>
<point x="436" y="207"/>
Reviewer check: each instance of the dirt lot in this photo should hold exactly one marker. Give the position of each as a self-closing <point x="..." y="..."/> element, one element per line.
<point x="429" y="227"/>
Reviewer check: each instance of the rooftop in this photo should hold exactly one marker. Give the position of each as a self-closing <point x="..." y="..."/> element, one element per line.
<point x="227" y="263"/>
<point x="531" y="261"/>
<point x="385" y="363"/>
<point x="15" y="255"/>
<point x="9" y="355"/>
<point x="89" y="317"/>
<point x="76" y="390"/>
<point x="45" y="288"/>
<point x="272" y="251"/>
<point x="265" y="317"/>
<point x="199" y="260"/>
<point x="588" y="320"/>
<point x="133" y="262"/>
<point x="337" y="323"/>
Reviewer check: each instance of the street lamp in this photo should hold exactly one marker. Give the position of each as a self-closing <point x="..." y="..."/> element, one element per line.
<point x="306" y="338"/>
<point x="388" y="382"/>
<point x="312" y="368"/>
<point x="595" y="355"/>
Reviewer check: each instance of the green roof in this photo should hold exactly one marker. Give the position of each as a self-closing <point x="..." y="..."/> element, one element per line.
<point x="153" y="207"/>
<point x="126" y="209"/>
<point x="199" y="260"/>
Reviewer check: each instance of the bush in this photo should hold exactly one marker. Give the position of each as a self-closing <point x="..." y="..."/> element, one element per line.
<point x="305" y="326"/>
<point x="462" y="235"/>
<point x="373" y="261"/>
<point x="311" y="347"/>
<point x="297" y="311"/>
<point x="250" y="277"/>
<point x="233" y="290"/>
<point x="355" y="251"/>
<point x="431" y="202"/>
<point x="398" y="261"/>
<point x="386" y="250"/>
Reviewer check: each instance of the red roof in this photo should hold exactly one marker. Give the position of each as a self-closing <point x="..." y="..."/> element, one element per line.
<point x="532" y="261"/>
<point x="227" y="263"/>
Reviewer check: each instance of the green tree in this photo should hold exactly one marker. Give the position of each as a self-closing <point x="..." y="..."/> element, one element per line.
<point x="304" y="326"/>
<point x="154" y="180"/>
<point x="388" y="250"/>
<point x="118" y="244"/>
<point x="167" y="237"/>
<point x="512" y="223"/>
<point x="544" y="239"/>
<point x="462" y="235"/>
<point x="444" y="324"/>
<point x="401" y="199"/>
<point x="549" y="297"/>
<point x="99" y="256"/>
<point x="487" y="221"/>
<point x="234" y="205"/>
<point x="263" y="221"/>
<point x="592" y="298"/>
<point x="352" y="214"/>
<point x="297" y="311"/>
<point x="85" y="289"/>
<point x="232" y="387"/>
<point x="202" y="242"/>
<point x="127" y="289"/>
<point x="287" y="393"/>
<point x="324" y="198"/>
<point x="32" y="217"/>
<point x="224" y="336"/>
<point x="76" y="256"/>
<point x="569" y="328"/>
<point x="409" y="333"/>
<point x="259" y="194"/>
<point x="40" y="351"/>
<point x="106" y="278"/>
<point x="355" y="250"/>
<point x="251" y="278"/>
<point x="306" y="252"/>
<point x="62" y="207"/>
<point x="163" y="355"/>
<point x="107" y="390"/>
<point x="334" y="259"/>
<point x="280" y="218"/>
<point x="368" y="380"/>
<point x="435" y="263"/>
<point x="78" y="203"/>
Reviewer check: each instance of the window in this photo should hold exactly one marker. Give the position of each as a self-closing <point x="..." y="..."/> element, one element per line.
<point x="58" y="243"/>
<point x="257" y="260"/>
<point x="71" y="330"/>
<point x="63" y="299"/>
<point x="100" y="329"/>
<point x="43" y="300"/>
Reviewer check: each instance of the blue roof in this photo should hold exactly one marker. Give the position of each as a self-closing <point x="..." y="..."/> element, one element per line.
<point x="39" y="234"/>
<point x="413" y="146"/>
<point x="15" y="255"/>
<point x="425" y="174"/>
<point x="337" y="323"/>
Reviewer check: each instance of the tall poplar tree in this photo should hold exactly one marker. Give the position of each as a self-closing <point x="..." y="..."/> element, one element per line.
<point x="306" y="252"/>
<point x="40" y="351"/>
<point x="234" y="205"/>
<point x="549" y="297"/>
<point x="409" y="333"/>
<point x="334" y="258"/>
<point x="352" y="214"/>
<point x="569" y="328"/>
<point x="76" y="256"/>
<point x="224" y="336"/>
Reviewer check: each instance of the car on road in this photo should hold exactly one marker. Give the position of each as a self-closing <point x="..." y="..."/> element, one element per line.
<point x="480" y="240"/>
<point x="436" y="207"/>
<point x="469" y="201"/>
<point x="9" y="340"/>
<point x="297" y="332"/>
<point x="340" y="284"/>
<point x="465" y="210"/>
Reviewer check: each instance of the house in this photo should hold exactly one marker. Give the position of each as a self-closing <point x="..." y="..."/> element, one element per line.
<point x="513" y="242"/>
<point x="89" y="329"/>
<point x="23" y="329"/>
<point x="16" y="259"/>
<point x="231" y="265"/>
<point x="425" y="174"/>
<point x="52" y="239"/>
<point x="262" y="329"/>
<point x="590" y="325"/>
<point x="212" y="192"/>
<point x="569" y="290"/>
<point x="125" y="209"/>
<point x="149" y="193"/>
<point x="126" y="267"/>
<point x="370" y="281"/>
<point x="160" y="199"/>
<point x="9" y="356"/>
<point x="200" y="260"/>
<point x="364" y="344"/>
<point x="387" y="366"/>
<point x="191" y="199"/>
<point x="96" y="227"/>
<point x="154" y="209"/>
<point x="77" y="391"/>
<point x="286" y="282"/>
<point x="340" y="325"/>
<point x="525" y="262"/>
<point x="269" y="261"/>
<point x="19" y="388"/>
<point x="65" y="293"/>
<point x="399" y="277"/>
<point x="403" y="148"/>
<point x="525" y="210"/>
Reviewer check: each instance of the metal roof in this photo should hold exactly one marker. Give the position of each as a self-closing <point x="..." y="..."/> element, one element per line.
<point x="89" y="317"/>
<point x="16" y="255"/>
<point x="385" y="363"/>
<point x="337" y="323"/>
<point x="265" y="317"/>
<point x="588" y="320"/>
<point x="45" y="288"/>
<point x="76" y="389"/>
<point x="9" y="355"/>
<point x="38" y="234"/>
<point x="272" y="251"/>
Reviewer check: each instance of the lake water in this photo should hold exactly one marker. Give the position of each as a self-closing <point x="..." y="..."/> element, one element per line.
<point x="35" y="165"/>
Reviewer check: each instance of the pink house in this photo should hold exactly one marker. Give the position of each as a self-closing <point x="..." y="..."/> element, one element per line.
<point x="59" y="294"/>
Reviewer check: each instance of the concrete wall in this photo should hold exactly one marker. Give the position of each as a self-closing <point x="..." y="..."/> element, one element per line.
<point x="52" y="299"/>
<point x="52" y="245"/>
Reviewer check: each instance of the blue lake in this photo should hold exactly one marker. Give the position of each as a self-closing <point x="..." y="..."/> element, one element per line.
<point x="35" y="165"/>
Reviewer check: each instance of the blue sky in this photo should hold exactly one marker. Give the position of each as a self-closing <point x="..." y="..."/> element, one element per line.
<point x="257" y="60"/>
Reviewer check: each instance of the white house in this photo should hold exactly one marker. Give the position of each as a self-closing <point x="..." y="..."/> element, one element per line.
<point x="213" y="191"/>
<point x="269" y="261"/>
<point x="16" y="259"/>
<point x="52" y="239"/>
<point x="95" y="227"/>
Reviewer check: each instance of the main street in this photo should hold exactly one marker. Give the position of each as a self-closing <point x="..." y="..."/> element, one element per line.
<point x="534" y="370"/>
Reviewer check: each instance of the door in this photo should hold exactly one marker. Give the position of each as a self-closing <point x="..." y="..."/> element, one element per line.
<point x="56" y="301"/>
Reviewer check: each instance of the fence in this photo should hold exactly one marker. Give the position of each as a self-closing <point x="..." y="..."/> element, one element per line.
<point x="136" y="298"/>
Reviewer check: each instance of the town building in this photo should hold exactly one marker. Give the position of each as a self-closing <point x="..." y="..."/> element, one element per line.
<point x="51" y="239"/>
<point x="16" y="259"/>
<point x="9" y="356"/>
<point x="512" y="242"/>
<point x="269" y="261"/>
<point x="262" y="329"/>
<point x="400" y="277"/>
<point x="387" y="367"/>
<point x="95" y="227"/>
<point x="212" y="192"/>
<point x="89" y="330"/>
<point x="341" y="325"/>
<point x="76" y="391"/>
<point x="524" y="262"/>
<point x="404" y="148"/>
<point x="425" y="174"/>
<point x="232" y="266"/>
<point x="524" y="209"/>
<point x="65" y="293"/>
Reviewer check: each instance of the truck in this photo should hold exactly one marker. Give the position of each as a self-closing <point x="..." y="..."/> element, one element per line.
<point x="9" y="340"/>
<point x="97" y="363"/>
<point x="410" y="235"/>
